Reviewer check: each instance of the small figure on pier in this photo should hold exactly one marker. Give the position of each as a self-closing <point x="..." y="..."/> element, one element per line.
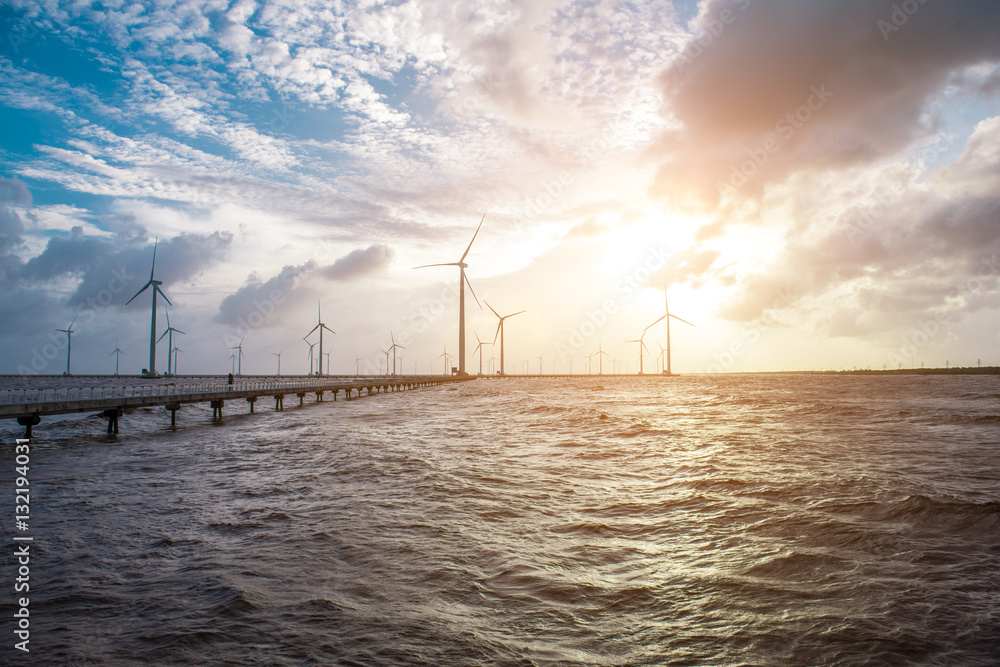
<point x="230" y="380"/>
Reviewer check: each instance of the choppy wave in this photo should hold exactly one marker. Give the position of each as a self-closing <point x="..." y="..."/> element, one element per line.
<point x="750" y="520"/>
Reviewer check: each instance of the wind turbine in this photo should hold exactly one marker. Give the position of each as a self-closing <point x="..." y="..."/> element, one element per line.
<point x="232" y="357"/>
<point x="176" y="350"/>
<point x="155" y="284"/>
<point x="462" y="282"/>
<point x="118" y="353"/>
<point x="393" y="348"/>
<point x="479" y="349"/>
<point x="446" y="358"/>
<point x="642" y="346"/>
<point x="320" y="326"/>
<point x="69" y="343"/>
<point x="500" y="332"/>
<point x="241" y="355"/>
<point x="311" y="346"/>
<point x="386" y="353"/>
<point x="278" y="354"/>
<point x="667" y="317"/>
<point x="600" y="354"/>
<point x="170" y="339"/>
<point x="539" y="357"/>
<point x="357" y="364"/>
<point x="328" y="362"/>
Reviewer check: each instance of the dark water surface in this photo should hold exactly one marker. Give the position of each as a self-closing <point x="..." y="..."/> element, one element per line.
<point x="713" y="520"/>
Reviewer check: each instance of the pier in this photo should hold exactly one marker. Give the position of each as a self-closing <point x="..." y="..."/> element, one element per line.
<point x="28" y="406"/>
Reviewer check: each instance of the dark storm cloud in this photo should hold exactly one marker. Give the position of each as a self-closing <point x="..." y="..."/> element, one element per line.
<point x="261" y="299"/>
<point x="100" y="262"/>
<point x="861" y="73"/>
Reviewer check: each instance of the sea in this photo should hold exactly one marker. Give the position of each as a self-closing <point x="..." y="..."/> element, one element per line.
<point x="760" y="519"/>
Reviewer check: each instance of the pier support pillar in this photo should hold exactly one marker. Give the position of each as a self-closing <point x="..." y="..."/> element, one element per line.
<point x="279" y="402"/>
<point x="334" y="395"/>
<point x="319" y="397"/>
<point x="217" y="409"/>
<point x="302" y="397"/>
<point x="251" y="400"/>
<point x="113" y="416"/>
<point x="173" y="408"/>
<point x="28" y="422"/>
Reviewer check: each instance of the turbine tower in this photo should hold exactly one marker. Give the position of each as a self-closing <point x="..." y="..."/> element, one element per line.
<point x="278" y="354"/>
<point x="155" y="284"/>
<point x="667" y="317"/>
<point x="176" y="355"/>
<point x="170" y="340"/>
<point x="500" y="332"/>
<point x="462" y="282"/>
<point x="320" y="326"/>
<point x="69" y="343"/>
<point x="118" y="354"/>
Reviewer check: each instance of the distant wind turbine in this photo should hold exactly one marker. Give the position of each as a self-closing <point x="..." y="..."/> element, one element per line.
<point x="118" y="353"/>
<point x="600" y="354"/>
<point x="320" y="326"/>
<point x="667" y="317"/>
<point x="176" y="355"/>
<point x="463" y="280"/>
<point x="232" y="357"/>
<point x="169" y="333"/>
<point x="500" y="331"/>
<point x="357" y="364"/>
<point x="240" y="357"/>
<point x="328" y="362"/>
<point x="479" y="349"/>
<point x="278" y="354"/>
<point x="540" y="371"/>
<point x="642" y="346"/>
<point x="446" y="358"/>
<point x="69" y="343"/>
<point x="311" y="346"/>
<point x="393" y="347"/>
<point x="155" y="284"/>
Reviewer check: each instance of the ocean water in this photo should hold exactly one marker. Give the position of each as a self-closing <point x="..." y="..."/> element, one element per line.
<point x="699" y="520"/>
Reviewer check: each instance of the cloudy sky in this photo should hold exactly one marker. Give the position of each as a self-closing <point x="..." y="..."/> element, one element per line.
<point x="817" y="182"/>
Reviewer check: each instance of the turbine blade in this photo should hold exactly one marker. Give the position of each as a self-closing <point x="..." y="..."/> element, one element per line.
<point x="70" y="327"/>
<point x="498" y="331"/>
<point x="157" y="288"/>
<point x="513" y="314"/>
<point x="180" y="332"/>
<point x="654" y="323"/>
<point x="473" y="293"/>
<point x="138" y="293"/>
<point x="162" y="335"/>
<point x="677" y="318"/>
<point x="311" y="331"/>
<point x="491" y="308"/>
<point x="152" y="268"/>
<point x="473" y="239"/>
<point x="427" y="265"/>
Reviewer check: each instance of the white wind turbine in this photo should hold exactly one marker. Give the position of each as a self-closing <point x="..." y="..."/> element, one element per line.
<point x="463" y="280"/>
<point x="155" y="284"/>
<point x="320" y="326"/>
<point x="117" y="354"/>
<point x="500" y="332"/>
<point x="446" y="358"/>
<point x="69" y="343"/>
<point x="667" y="317"/>
<point x="239" y="348"/>
<point x="642" y="346"/>
<point x="278" y="354"/>
<point x="169" y="333"/>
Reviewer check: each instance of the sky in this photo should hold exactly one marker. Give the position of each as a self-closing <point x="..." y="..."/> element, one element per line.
<point x="816" y="185"/>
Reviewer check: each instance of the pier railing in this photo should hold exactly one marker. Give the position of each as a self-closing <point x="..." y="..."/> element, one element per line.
<point x="29" y="396"/>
